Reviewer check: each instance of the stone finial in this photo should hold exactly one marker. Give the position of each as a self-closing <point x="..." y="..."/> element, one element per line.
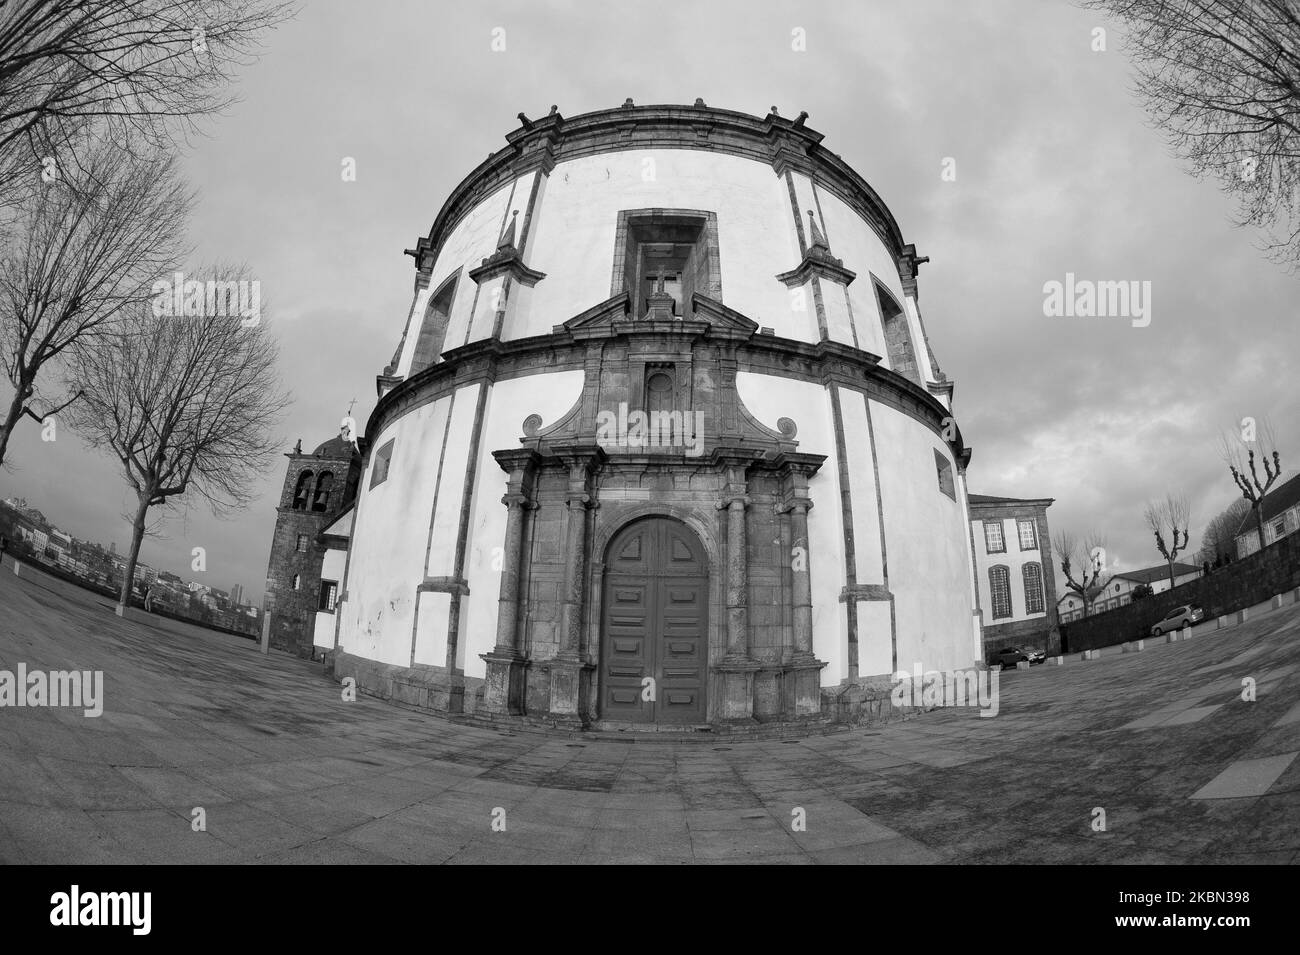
<point x="659" y="304"/>
<point x="627" y="103"/>
<point x="297" y="448"/>
<point x="818" y="240"/>
<point x="525" y="121"/>
<point x="801" y="118"/>
<point x="699" y="101"/>
<point x="507" y="240"/>
<point x="775" y="111"/>
<point x="554" y="109"/>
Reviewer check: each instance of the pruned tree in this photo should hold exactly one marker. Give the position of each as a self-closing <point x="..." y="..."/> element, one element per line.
<point x="84" y="252"/>
<point x="1245" y="452"/>
<point x="186" y="404"/>
<point x="1087" y="560"/>
<point x="1220" y="535"/>
<point x="143" y="71"/>
<point x="1168" y="521"/>
<point x="1221" y="78"/>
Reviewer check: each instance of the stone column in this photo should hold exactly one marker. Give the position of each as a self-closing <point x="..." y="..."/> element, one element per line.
<point x="570" y="674"/>
<point x="506" y="663"/>
<point x="737" y="668"/>
<point x="802" y="589"/>
<point x="803" y="684"/>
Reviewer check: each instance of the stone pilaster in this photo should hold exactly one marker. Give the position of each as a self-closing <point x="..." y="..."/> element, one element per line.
<point x="570" y="673"/>
<point x="803" y="683"/>
<point x="737" y="668"/>
<point x="506" y="663"/>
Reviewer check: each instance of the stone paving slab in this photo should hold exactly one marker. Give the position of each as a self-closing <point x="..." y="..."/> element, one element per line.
<point x="288" y="773"/>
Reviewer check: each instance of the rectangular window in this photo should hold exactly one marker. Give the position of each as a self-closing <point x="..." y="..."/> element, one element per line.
<point x="944" y="468"/>
<point x="1028" y="534"/>
<point x="379" y="469"/>
<point x="329" y="590"/>
<point x="1000" y="587"/>
<point x="302" y="544"/>
<point x="993" y="542"/>
<point x="1279" y="528"/>
<point x="1033" y="579"/>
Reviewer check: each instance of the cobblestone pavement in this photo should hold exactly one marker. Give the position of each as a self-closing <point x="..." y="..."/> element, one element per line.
<point x="285" y="771"/>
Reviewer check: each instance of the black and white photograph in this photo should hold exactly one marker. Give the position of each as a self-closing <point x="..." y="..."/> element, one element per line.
<point x="438" y="432"/>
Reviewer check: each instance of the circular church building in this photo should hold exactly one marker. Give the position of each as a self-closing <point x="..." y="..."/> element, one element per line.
<point x="664" y="443"/>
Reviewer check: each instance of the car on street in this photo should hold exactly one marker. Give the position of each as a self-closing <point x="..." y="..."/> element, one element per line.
<point x="1177" y="618"/>
<point x="1010" y="656"/>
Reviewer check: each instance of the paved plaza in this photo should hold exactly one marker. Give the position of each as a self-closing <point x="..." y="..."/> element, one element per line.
<point x="285" y="771"/>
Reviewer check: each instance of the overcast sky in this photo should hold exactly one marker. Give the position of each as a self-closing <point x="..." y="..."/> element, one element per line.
<point x="1057" y="171"/>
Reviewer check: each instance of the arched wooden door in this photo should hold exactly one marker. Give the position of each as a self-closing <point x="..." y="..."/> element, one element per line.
<point x="655" y="615"/>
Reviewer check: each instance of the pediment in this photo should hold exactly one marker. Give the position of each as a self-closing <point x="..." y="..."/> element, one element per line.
<point x="613" y="317"/>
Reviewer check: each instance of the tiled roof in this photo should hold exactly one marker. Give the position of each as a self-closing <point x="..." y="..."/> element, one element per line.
<point x="1148" y="575"/>
<point x="985" y="499"/>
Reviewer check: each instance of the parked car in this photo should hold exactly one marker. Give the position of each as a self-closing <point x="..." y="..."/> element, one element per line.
<point x="1010" y="656"/>
<point x="1177" y="618"/>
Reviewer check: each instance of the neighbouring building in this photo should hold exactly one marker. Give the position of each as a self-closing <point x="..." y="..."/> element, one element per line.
<point x="302" y="577"/>
<point x="663" y="444"/>
<point x="1281" y="512"/>
<point x="1013" y="571"/>
<point x="1118" y="589"/>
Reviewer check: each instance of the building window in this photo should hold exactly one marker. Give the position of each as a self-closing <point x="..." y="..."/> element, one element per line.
<point x="432" y="340"/>
<point x="1028" y="531"/>
<point x="1000" y="587"/>
<point x="302" y="491"/>
<point x="329" y="590"/>
<point x="993" y="542"/>
<point x="1279" y="528"/>
<point x="302" y="544"/>
<point x="1033" y="574"/>
<point x="898" y="338"/>
<point x="944" y="467"/>
<point x="297" y="582"/>
<point x="683" y="243"/>
<point x="379" y="470"/>
<point x="324" y="484"/>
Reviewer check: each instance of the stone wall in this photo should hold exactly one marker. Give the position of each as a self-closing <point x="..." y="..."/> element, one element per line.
<point x="1241" y="584"/>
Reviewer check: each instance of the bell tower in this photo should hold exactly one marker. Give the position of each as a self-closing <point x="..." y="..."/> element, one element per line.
<point x="318" y="487"/>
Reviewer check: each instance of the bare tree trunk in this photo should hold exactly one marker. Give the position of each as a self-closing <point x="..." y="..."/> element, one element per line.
<point x="137" y="538"/>
<point x="1171" y="573"/>
<point x="10" y="420"/>
<point x="1259" y="522"/>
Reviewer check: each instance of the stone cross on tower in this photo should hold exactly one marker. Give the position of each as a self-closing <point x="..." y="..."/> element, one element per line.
<point x="659" y="304"/>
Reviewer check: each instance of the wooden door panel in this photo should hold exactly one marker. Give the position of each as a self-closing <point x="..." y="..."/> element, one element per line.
<point x="655" y="623"/>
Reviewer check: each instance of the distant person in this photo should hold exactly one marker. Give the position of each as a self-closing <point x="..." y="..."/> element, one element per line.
<point x="148" y="598"/>
<point x="1205" y="567"/>
<point x="4" y="545"/>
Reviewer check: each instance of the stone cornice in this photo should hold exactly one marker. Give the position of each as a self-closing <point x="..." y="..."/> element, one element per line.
<point x="567" y="347"/>
<point x="506" y="261"/>
<point x="820" y="263"/>
<point x="773" y="140"/>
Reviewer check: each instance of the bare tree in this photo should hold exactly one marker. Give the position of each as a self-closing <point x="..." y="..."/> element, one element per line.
<point x="1222" y="79"/>
<point x="1219" y="539"/>
<point x="185" y="404"/>
<point x="1172" y="517"/>
<point x="1244" y="452"/>
<point x="1089" y="559"/>
<point x="143" y="70"/>
<point x="83" y="253"/>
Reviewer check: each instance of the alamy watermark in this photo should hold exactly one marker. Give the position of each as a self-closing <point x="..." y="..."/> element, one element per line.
<point x="1085" y="298"/>
<point x="180" y="297"/>
<point x="922" y="688"/>
<point x="83" y="688"/>
<point x="628" y="430"/>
